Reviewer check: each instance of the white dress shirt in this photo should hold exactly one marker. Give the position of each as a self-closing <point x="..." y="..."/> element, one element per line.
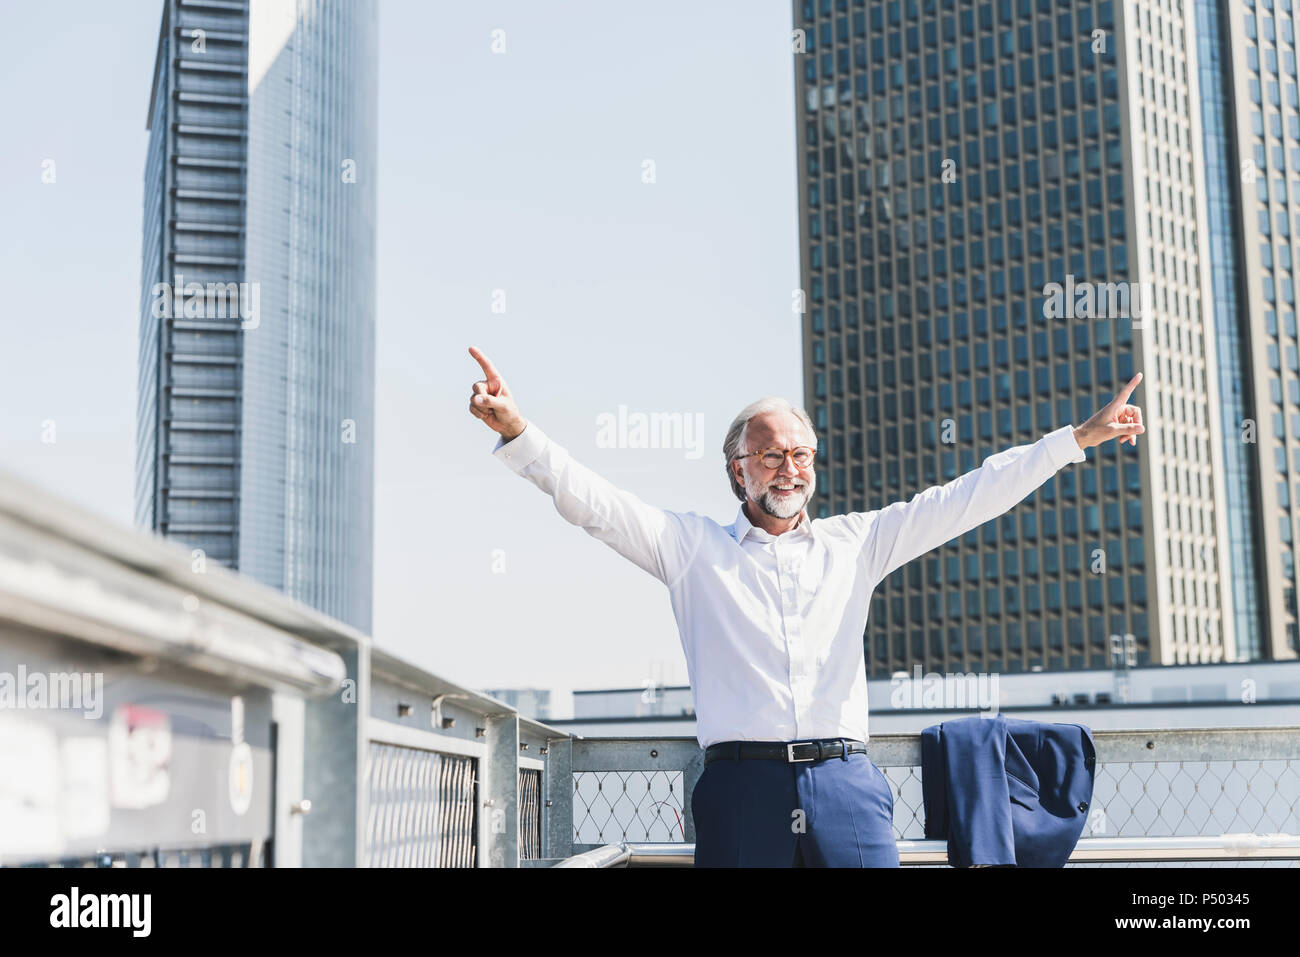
<point x="772" y="625"/>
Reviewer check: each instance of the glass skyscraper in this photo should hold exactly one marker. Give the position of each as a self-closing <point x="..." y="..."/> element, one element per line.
<point x="1008" y="208"/>
<point x="1255" y="43"/>
<point x="256" y="396"/>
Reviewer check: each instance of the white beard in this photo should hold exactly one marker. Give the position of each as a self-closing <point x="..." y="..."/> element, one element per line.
<point x="782" y="506"/>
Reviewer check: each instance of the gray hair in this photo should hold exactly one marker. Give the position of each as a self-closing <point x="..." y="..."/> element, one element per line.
<point x="736" y="433"/>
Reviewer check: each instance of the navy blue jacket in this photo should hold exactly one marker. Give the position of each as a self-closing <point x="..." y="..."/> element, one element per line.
<point x="1006" y="791"/>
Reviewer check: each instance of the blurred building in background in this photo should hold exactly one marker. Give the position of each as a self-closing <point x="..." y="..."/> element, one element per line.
<point x="649" y="701"/>
<point x="255" y="439"/>
<point x="1236" y="695"/>
<point x="531" y="702"/>
<point x="1007" y="208"/>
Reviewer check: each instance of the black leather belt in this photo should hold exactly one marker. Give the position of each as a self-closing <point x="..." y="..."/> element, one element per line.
<point x="793" y="752"/>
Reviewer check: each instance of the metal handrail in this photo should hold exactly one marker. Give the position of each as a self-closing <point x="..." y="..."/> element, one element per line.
<point x="1088" y="850"/>
<point x="632" y="854"/>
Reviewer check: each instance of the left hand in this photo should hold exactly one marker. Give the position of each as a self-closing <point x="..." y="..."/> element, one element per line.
<point x="1116" y="420"/>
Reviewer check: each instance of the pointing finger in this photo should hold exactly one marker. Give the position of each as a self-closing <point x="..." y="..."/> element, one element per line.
<point x="1124" y="393"/>
<point x="489" y="370"/>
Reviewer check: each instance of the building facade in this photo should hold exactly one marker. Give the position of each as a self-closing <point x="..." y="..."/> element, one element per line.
<point x="255" y="440"/>
<point x="1228" y="695"/>
<point x="1238" y="694"/>
<point x="1008" y="208"/>
<point x="533" y="702"/>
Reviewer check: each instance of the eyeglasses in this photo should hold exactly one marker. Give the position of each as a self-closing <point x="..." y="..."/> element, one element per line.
<point x="802" y="457"/>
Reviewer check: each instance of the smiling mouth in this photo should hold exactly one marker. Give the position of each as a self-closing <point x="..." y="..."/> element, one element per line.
<point x="786" y="490"/>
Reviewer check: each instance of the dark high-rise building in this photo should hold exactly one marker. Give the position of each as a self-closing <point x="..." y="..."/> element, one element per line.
<point x="1008" y="208"/>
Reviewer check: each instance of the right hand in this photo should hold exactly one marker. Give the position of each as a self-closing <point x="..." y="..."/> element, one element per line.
<point x="491" y="401"/>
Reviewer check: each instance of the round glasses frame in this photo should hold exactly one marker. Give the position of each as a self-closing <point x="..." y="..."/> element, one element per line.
<point x="802" y="457"/>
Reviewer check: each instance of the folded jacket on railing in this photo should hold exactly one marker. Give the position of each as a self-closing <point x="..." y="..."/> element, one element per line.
<point x="1006" y="791"/>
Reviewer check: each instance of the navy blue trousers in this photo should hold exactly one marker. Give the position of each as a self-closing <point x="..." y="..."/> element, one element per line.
<point x="838" y="812"/>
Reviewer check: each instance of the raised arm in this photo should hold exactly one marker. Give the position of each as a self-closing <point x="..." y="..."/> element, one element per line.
<point x="896" y="534"/>
<point x="651" y="538"/>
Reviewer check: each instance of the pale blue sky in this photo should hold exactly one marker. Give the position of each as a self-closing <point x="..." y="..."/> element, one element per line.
<point x="519" y="171"/>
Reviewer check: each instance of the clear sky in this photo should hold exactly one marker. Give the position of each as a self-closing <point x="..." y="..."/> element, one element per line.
<point x="521" y="172"/>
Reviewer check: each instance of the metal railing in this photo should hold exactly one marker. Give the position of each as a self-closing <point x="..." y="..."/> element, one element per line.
<point x="236" y="727"/>
<point x="1200" y="794"/>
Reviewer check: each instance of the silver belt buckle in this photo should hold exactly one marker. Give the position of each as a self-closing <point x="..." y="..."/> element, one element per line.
<point x="789" y="751"/>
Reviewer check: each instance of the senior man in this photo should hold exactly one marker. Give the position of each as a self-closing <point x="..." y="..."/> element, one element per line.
<point x="771" y="611"/>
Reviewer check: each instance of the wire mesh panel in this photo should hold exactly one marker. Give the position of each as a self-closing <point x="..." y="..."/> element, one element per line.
<point x="1176" y="798"/>
<point x="530" y="814"/>
<point x="909" y="804"/>
<point x="1148" y="784"/>
<point x="422" y="808"/>
<point x="1182" y="798"/>
<point x="627" y="806"/>
<point x="1159" y="799"/>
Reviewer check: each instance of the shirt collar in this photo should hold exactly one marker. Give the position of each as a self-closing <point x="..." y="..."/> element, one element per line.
<point x="744" y="527"/>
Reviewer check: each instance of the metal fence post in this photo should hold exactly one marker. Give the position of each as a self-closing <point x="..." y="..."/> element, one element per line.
<point x="333" y="834"/>
<point x="557" y="809"/>
<point x="500" y="793"/>
<point x="289" y="712"/>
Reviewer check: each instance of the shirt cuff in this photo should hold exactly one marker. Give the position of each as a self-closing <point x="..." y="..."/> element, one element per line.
<point x="521" y="451"/>
<point x="1064" y="447"/>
